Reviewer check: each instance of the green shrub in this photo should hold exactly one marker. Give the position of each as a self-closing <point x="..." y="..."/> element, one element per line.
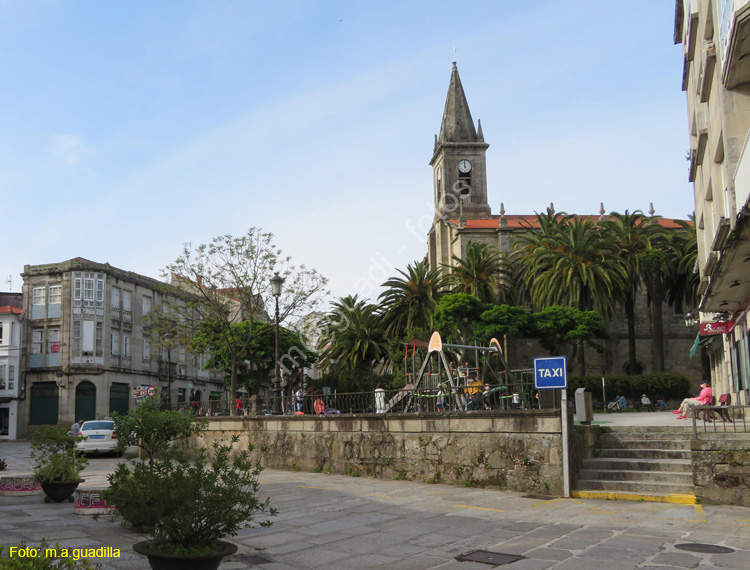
<point x="670" y="386"/>
<point x="184" y="500"/>
<point x="55" y="456"/>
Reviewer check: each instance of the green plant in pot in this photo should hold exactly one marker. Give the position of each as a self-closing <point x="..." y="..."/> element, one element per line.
<point x="57" y="465"/>
<point x="184" y="500"/>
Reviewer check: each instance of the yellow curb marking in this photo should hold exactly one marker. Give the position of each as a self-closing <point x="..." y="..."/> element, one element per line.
<point x="478" y="508"/>
<point x="699" y="511"/>
<point x="387" y="497"/>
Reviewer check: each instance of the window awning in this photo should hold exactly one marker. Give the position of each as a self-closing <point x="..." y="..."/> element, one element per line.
<point x="700" y="341"/>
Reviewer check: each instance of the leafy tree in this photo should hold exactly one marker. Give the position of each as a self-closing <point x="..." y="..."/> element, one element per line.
<point x="259" y="339"/>
<point x="478" y="272"/>
<point x="556" y="326"/>
<point x="227" y="281"/>
<point x="409" y="301"/>
<point x="501" y="320"/>
<point x="457" y="315"/>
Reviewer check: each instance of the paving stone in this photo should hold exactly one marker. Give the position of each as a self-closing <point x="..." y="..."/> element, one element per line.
<point x="311" y="557"/>
<point x="679" y="559"/>
<point x="549" y="554"/>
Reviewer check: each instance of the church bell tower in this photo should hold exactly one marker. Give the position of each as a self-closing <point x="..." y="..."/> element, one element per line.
<point x="458" y="160"/>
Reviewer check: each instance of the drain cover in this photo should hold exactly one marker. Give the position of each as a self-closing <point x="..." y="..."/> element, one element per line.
<point x="487" y="557"/>
<point x="704" y="548"/>
<point x="255" y="559"/>
<point x="539" y="497"/>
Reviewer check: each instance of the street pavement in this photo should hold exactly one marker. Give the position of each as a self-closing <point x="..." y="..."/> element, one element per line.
<point x="339" y="522"/>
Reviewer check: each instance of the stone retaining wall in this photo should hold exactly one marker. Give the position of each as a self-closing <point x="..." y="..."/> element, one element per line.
<point x="721" y="469"/>
<point x="516" y="450"/>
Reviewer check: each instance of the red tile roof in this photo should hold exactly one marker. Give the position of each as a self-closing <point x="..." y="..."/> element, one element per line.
<point x="8" y="310"/>
<point x="524" y="221"/>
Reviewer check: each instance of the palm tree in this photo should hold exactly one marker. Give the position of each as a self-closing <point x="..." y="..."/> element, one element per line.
<point x="477" y="273"/>
<point x="353" y="335"/>
<point x="573" y="265"/>
<point x="410" y="301"/>
<point x="682" y="278"/>
<point x="632" y="235"/>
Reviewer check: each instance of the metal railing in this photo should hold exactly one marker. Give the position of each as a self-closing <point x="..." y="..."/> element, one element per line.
<point x="720" y="419"/>
<point x="466" y="399"/>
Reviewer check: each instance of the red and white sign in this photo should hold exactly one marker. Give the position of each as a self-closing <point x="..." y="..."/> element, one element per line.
<point x="708" y="329"/>
<point x="54" y="346"/>
<point x="151" y="391"/>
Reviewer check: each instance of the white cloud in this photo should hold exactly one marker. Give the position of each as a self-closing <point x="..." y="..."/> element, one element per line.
<point x="70" y="149"/>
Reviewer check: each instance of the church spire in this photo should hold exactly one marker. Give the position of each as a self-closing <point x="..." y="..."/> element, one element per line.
<point x="457" y="126"/>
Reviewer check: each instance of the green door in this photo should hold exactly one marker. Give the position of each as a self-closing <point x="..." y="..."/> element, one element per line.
<point x="44" y="403"/>
<point x="119" y="398"/>
<point x="85" y="401"/>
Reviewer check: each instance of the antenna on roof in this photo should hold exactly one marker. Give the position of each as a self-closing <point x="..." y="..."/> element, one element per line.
<point x="9" y="281"/>
<point x="454" y="51"/>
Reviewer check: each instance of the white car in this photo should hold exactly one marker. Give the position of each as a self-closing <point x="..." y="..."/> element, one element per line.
<point x="100" y="437"/>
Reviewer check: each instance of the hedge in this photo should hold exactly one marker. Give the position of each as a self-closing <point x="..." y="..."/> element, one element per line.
<point x="669" y="386"/>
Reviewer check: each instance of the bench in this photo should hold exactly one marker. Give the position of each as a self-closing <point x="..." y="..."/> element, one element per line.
<point x="638" y="405"/>
<point x="708" y="413"/>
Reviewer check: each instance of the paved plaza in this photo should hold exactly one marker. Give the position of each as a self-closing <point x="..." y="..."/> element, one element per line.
<point x="339" y="522"/>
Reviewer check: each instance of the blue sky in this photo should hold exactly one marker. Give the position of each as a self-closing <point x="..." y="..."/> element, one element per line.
<point x="128" y="128"/>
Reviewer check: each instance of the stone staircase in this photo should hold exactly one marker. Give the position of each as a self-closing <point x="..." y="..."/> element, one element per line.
<point x="639" y="464"/>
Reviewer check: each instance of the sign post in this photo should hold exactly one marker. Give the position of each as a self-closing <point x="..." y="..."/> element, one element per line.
<point x="552" y="373"/>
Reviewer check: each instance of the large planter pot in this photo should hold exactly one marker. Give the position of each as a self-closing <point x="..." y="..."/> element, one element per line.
<point x="167" y="561"/>
<point x="58" y="491"/>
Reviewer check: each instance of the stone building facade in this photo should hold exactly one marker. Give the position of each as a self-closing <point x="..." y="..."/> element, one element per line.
<point x="716" y="80"/>
<point x="463" y="215"/>
<point x="87" y="348"/>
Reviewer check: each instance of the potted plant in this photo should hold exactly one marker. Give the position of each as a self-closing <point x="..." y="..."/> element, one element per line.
<point x="57" y="464"/>
<point x="184" y="500"/>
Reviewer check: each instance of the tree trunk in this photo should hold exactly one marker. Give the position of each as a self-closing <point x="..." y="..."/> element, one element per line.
<point x="233" y="390"/>
<point x="581" y="358"/>
<point x="656" y="317"/>
<point x="630" y="314"/>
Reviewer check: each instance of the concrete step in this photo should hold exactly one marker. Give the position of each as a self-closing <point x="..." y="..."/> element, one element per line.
<point x="676" y="477"/>
<point x="638" y="464"/>
<point x="683" y="445"/>
<point x="641" y="487"/>
<point x="681" y="427"/>
<point x="644" y="453"/>
<point x="645" y="436"/>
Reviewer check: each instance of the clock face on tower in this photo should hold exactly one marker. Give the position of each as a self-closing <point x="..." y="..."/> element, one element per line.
<point x="464" y="166"/>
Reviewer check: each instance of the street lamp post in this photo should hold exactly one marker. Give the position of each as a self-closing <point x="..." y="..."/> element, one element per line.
<point x="276" y="282"/>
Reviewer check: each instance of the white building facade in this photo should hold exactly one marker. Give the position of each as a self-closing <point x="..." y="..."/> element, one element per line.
<point x="715" y="38"/>
<point x="11" y="323"/>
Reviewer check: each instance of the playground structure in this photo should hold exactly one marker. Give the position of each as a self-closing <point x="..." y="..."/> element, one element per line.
<point x="439" y="385"/>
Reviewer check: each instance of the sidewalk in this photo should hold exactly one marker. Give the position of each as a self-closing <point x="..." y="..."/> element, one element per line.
<point x="642" y="418"/>
<point x="344" y="523"/>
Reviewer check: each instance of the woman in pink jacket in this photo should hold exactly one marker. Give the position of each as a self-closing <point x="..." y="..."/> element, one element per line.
<point x="703" y="399"/>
